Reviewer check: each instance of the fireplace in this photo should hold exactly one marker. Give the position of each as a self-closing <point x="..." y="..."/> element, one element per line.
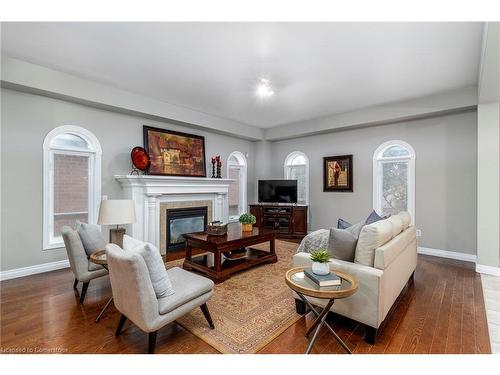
<point x="154" y="195"/>
<point x="183" y="220"/>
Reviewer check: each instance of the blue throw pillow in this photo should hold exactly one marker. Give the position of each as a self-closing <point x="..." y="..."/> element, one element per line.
<point x="373" y="217"/>
<point x="342" y="224"/>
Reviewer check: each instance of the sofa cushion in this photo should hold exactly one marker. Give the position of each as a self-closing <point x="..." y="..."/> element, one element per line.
<point x="406" y="217"/>
<point x="154" y="262"/>
<point x="188" y="286"/>
<point x="373" y="218"/>
<point x="372" y="236"/>
<point x="342" y="242"/>
<point x="91" y="236"/>
<point x="397" y="224"/>
<point x="388" y="252"/>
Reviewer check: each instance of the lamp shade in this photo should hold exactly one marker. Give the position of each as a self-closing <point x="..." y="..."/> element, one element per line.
<point x="116" y="212"/>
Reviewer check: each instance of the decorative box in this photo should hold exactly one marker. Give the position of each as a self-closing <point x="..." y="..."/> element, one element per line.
<point x="217" y="229"/>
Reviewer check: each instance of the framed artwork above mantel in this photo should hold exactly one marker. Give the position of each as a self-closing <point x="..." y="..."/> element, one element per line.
<point x="338" y="173"/>
<point x="174" y="153"/>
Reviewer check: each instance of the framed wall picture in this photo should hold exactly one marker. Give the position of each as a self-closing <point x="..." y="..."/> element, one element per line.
<point x="337" y="173"/>
<point x="175" y="154"/>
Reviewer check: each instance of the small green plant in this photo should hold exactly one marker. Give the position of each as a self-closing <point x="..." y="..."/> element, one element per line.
<point x="320" y="256"/>
<point x="247" y="219"/>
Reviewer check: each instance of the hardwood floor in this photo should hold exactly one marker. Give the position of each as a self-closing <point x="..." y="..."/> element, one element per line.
<point x="442" y="311"/>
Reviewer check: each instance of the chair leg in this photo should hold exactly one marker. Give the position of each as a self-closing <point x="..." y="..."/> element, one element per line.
<point x="152" y="342"/>
<point x="122" y="321"/>
<point x="75" y="284"/>
<point x="84" y="291"/>
<point x="204" y="309"/>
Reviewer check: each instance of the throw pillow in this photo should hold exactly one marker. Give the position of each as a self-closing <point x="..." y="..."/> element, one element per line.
<point x="154" y="262"/>
<point x="130" y="242"/>
<point x="373" y="218"/>
<point x="397" y="224"/>
<point x="342" y="224"/>
<point x="371" y="237"/>
<point x="91" y="237"/>
<point x="342" y="242"/>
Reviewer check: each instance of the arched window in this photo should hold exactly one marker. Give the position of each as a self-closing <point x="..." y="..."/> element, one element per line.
<point x="297" y="168"/>
<point x="237" y="170"/>
<point x="394" y="178"/>
<point x="71" y="181"/>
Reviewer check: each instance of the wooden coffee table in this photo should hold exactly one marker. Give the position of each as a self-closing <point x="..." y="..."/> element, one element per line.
<point x="235" y="240"/>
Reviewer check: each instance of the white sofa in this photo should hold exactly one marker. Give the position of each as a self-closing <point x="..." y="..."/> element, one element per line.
<point x="380" y="284"/>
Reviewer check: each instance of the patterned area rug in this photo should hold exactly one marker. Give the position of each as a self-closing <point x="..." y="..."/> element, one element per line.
<point x="250" y="309"/>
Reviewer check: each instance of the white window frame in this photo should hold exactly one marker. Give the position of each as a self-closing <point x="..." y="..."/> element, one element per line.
<point x="94" y="192"/>
<point x="287" y="167"/>
<point x="242" y="190"/>
<point x="379" y="160"/>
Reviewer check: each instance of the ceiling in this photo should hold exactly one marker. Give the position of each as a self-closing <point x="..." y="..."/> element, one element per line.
<point x="315" y="69"/>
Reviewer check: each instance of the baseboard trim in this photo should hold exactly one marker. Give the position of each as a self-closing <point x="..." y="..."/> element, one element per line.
<point x="487" y="270"/>
<point x="33" y="270"/>
<point x="447" y="254"/>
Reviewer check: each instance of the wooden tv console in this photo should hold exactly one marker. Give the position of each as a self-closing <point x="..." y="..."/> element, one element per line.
<point x="287" y="221"/>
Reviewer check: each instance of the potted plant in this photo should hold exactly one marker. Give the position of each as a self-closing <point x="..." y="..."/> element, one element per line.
<point x="247" y="221"/>
<point x="320" y="259"/>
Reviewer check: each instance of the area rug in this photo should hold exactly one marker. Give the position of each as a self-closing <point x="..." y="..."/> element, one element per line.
<point x="250" y="309"/>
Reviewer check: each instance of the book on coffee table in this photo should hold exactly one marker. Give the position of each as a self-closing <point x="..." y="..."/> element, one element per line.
<point x="323" y="280"/>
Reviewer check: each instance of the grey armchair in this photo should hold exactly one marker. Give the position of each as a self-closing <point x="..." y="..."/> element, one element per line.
<point x="83" y="269"/>
<point x="136" y="300"/>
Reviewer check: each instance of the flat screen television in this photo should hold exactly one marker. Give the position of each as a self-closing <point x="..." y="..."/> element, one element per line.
<point x="278" y="191"/>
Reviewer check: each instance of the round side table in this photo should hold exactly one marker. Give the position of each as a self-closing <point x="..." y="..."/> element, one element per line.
<point x="303" y="286"/>
<point x="99" y="257"/>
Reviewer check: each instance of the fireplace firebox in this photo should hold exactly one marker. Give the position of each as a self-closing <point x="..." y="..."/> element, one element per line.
<point x="184" y="220"/>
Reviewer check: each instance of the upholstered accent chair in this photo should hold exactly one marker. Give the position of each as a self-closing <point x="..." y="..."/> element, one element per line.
<point x="135" y="298"/>
<point x="83" y="269"/>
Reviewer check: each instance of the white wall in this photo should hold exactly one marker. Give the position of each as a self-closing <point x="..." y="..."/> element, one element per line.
<point x="488" y="187"/>
<point x="26" y="119"/>
<point x="488" y="161"/>
<point x="445" y="149"/>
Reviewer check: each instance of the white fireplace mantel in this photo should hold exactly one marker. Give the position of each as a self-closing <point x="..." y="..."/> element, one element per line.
<point x="149" y="191"/>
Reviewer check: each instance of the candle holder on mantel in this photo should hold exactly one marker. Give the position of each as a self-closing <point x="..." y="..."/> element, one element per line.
<point x="213" y="166"/>
<point x="216" y="167"/>
<point x="219" y="165"/>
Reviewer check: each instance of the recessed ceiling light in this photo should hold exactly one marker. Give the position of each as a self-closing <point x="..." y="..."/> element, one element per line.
<point x="264" y="89"/>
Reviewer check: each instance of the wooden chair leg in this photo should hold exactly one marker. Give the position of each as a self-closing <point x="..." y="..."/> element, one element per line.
<point x="122" y="321"/>
<point x="84" y="291"/>
<point x="75" y="284"/>
<point x="152" y="342"/>
<point x="204" y="309"/>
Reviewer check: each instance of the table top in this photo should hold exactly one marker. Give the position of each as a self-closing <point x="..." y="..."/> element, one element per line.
<point x="299" y="282"/>
<point x="99" y="257"/>
<point x="234" y="233"/>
